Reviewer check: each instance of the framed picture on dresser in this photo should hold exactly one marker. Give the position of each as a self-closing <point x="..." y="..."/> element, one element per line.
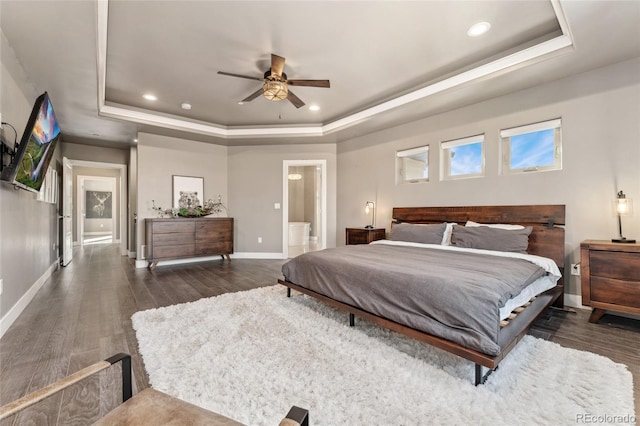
<point x="188" y="192"/>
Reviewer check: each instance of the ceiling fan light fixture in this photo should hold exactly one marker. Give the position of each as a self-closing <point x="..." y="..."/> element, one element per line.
<point x="275" y="90"/>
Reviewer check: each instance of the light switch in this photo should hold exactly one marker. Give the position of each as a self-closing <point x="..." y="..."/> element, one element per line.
<point x="276" y="206"/>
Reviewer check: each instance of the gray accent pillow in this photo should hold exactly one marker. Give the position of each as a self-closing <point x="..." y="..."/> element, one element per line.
<point x="484" y="237"/>
<point x="417" y="233"/>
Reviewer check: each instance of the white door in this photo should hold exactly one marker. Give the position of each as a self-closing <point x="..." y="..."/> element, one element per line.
<point x="67" y="211"/>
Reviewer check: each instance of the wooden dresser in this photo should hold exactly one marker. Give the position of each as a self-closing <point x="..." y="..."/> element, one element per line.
<point x="610" y="275"/>
<point x="188" y="237"/>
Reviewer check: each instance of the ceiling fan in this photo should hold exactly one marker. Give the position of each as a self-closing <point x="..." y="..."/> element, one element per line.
<point x="275" y="83"/>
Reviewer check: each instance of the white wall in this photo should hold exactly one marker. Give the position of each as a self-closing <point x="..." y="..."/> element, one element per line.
<point x="600" y="113"/>
<point x="161" y="157"/>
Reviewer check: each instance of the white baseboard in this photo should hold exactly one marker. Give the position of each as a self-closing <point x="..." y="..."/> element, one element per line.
<point x="13" y="314"/>
<point x="245" y="255"/>
<point x="257" y="255"/>
<point x="574" y="301"/>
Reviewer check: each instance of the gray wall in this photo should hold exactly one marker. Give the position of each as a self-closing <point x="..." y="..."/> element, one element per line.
<point x="600" y="113"/>
<point x="255" y="184"/>
<point x="28" y="228"/>
<point x="161" y="157"/>
<point x="74" y="151"/>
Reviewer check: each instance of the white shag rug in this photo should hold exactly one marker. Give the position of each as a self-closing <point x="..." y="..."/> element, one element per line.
<point x="252" y="355"/>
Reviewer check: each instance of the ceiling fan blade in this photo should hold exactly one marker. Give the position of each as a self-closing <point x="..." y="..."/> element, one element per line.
<point x="253" y="95"/>
<point x="277" y="64"/>
<point x="296" y="101"/>
<point x="312" y="83"/>
<point x="240" y="75"/>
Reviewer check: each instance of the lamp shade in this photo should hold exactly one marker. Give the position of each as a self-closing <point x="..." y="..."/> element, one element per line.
<point x="370" y="207"/>
<point x="624" y="205"/>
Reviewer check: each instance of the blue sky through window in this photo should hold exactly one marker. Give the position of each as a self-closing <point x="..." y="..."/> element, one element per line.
<point x="532" y="149"/>
<point x="466" y="159"/>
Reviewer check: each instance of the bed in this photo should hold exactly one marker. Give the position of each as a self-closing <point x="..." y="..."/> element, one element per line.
<point x="453" y="298"/>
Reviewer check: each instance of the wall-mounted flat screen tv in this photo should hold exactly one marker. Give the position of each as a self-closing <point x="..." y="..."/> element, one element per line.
<point x="33" y="155"/>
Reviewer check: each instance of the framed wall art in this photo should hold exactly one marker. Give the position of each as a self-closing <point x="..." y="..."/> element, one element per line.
<point x="188" y="192"/>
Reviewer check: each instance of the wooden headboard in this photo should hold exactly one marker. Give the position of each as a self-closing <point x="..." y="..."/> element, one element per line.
<point x="546" y="239"/>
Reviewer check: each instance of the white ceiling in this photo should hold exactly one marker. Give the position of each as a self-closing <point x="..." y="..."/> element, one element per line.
<point x="389" y="62"/>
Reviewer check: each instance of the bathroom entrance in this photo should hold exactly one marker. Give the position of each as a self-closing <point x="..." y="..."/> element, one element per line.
<point x="304" y="206"/>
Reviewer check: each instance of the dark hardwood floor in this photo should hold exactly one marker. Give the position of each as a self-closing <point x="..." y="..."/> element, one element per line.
<point x="83" y="315"/>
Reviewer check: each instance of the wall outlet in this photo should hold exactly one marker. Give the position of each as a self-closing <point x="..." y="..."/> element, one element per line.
<point x="575" y="269"/>
<point x="259" y="240"/>
<point x="276" y="206"/>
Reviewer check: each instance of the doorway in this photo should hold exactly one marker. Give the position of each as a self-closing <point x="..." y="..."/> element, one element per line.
<point x="304" y="206"/>
<point x="97" y="210"/>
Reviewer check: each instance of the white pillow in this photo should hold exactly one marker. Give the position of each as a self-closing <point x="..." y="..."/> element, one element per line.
<point x="492" y="225"/>
<point x="446" y="237"/>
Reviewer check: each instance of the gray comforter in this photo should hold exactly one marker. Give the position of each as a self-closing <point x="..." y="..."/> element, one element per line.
<point x="454" y="295"/>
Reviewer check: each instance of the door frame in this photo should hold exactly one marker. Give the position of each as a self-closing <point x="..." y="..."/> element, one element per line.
<point x="122" y="185"/>
<point x="285" y="200"/>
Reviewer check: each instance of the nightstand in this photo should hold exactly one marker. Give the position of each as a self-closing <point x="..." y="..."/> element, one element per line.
<point x="610" y="277"/>
<point x="364" y="235"/>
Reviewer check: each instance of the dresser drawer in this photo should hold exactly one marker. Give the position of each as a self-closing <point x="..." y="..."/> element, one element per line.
<point x="179" y="250"/>
<point x="171" y="239"/>
<point x="176" y="225"/>
<point x="214" y="247"/>
<point x="616" y="292"/>
<point x="358" y="238"/>
<point x="364" y="236"/>
<point x="618" y="265"/>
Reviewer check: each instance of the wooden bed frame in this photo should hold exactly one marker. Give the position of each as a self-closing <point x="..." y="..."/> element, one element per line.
<point x="546" y="239"/>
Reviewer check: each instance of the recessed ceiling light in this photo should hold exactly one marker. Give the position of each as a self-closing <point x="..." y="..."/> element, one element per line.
<point x="240" y="103"/>
<point x="150" y="97"/>
<point x="136" y="140"/>
<point x="478" y="29"/>
<point x="186" y="106"/>
<point x="314" y="108"/>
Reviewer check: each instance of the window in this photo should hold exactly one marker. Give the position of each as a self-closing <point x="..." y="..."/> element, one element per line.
<point x="532" y="148"/>
<point x="462" y="158"/>
<point x="413" y="165"/>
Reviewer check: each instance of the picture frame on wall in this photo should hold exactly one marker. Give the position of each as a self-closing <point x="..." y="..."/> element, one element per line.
<point x="98" y="205"/>
<point x="188" y="192"/>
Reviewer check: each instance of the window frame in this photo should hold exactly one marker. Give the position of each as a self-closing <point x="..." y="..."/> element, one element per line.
<point x="400" y="165"/>
<point x="505" y="146"/>
<point x="445" y="166"/>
